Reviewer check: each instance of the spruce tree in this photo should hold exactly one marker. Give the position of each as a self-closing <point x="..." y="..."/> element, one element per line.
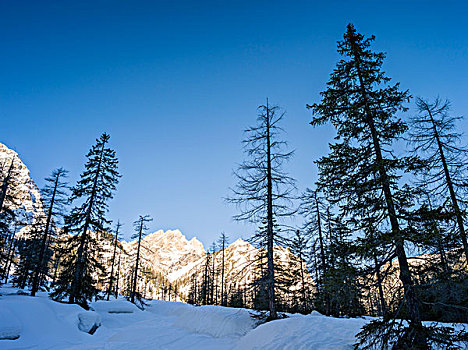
<point x="263" y="192"/>
<point x="361" y="103"/>
<point x="94" y="189"/>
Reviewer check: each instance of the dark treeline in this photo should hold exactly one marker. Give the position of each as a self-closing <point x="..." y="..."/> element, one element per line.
<point x="381" y="233"/>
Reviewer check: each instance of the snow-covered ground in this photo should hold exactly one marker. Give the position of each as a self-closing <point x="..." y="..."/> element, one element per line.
<point x="40" y="323"/>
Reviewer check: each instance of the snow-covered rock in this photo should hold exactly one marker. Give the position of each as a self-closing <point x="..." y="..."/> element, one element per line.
<point x="89" y="322"/>
<point x="212" y="320"/>
<point x="10" y="325"/>
<point x="114" y="307"/>
<point x="303" y="333"/>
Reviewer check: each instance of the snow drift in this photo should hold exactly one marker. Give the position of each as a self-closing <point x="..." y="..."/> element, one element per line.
<point x="40" y="323"/>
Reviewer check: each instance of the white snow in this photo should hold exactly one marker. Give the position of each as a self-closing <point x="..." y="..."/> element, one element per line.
<point x="89" y="322"/>
<point x="42" y="323"/>
<point x="303" y="333"/>
<point x="10" y="325"/>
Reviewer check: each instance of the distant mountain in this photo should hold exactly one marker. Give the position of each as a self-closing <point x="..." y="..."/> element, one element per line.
<point x="168" y="252"/>
<point x="25" y="196"/>
<point x="182" y="261"/>
<point x="169" y="261"/>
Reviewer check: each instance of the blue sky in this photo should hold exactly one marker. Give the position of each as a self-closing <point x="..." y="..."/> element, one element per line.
<point x="176" y="82"/>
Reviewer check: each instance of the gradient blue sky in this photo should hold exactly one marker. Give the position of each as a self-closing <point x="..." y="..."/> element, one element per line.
<point x="176" y="82"/>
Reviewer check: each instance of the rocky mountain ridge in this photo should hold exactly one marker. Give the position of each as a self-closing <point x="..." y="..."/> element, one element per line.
<point x="23" y="195"/>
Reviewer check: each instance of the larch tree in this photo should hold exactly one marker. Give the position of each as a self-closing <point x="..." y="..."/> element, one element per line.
<point x="434" y="137"/>
<point x="313" y="209"/>
<point x="78" y="278"/>
<point x="263" y="191"/>
<point x="140" y="231"/>
<point x="54" y="198"/>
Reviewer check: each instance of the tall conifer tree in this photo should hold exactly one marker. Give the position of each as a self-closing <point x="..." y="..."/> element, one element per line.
<point x="94" y="189"/>
<point x="264" y="190"/>
<point x="361" y="103"/>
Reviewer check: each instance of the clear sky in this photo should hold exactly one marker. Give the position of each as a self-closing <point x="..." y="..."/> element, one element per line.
<point x="176" y="82"/>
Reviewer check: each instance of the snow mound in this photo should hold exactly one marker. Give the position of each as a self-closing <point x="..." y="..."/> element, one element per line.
<point x="303" y="333"/>
<point x="38" y="321"/>
<point x="212" y="320"/>
<point x="89" y="322"/>
<point x="10" y="325"/>
<point x="114" y="307"/>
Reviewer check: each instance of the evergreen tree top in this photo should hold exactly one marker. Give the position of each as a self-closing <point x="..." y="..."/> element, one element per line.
<point x="356" y="85"/>
<point x="95" y="188"/>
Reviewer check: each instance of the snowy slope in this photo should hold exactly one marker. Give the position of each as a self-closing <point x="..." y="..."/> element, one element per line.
<point x="44" y="324"/>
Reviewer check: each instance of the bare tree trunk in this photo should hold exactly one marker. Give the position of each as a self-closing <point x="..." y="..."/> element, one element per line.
<point x="132" y="297"/>
<point x="117" y="281"/>
<point x="213" y="279"/>
<point x="222" y="274"/>
<point x="111" y="279"/>
<point x="322" y="254"/>
<point x="304" y="299"/>
<point x="383" y="306"/>
<point x="270" y="232"/>
<point x="39" y="267"/>
<point x="205" y="278"/>
<point x="448" y="180"/>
